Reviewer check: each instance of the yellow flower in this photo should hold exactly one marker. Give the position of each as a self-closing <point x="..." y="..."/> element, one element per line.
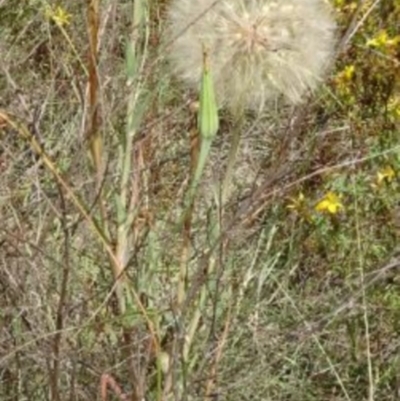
<point x="343" y="79"/>
<point x="297" y="203"/>
<point x="346" y="74"/>
<point x="387" y="174"/>
<point x="58" y="15"/>
<point x="329" y="203"/>
<point x="382" y="40"/>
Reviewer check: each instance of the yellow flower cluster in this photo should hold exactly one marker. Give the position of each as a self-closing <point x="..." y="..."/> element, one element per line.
<point x="383" y="42"/>
<point x="330" y="203"/>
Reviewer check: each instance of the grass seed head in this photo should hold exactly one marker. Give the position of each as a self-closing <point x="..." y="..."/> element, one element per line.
<point x="258" y="49"/>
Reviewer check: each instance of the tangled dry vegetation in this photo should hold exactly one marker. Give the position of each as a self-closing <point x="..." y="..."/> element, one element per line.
<point x="112" y="287"/>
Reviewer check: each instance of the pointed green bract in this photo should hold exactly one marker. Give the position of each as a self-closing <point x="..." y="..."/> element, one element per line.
<point x="208" y="122"/>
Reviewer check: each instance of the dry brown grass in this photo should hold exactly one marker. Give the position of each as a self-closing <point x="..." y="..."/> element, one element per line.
<point x="292" y="304"/>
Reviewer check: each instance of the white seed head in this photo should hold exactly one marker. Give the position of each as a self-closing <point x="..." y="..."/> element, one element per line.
<point x="258" y="50"/>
